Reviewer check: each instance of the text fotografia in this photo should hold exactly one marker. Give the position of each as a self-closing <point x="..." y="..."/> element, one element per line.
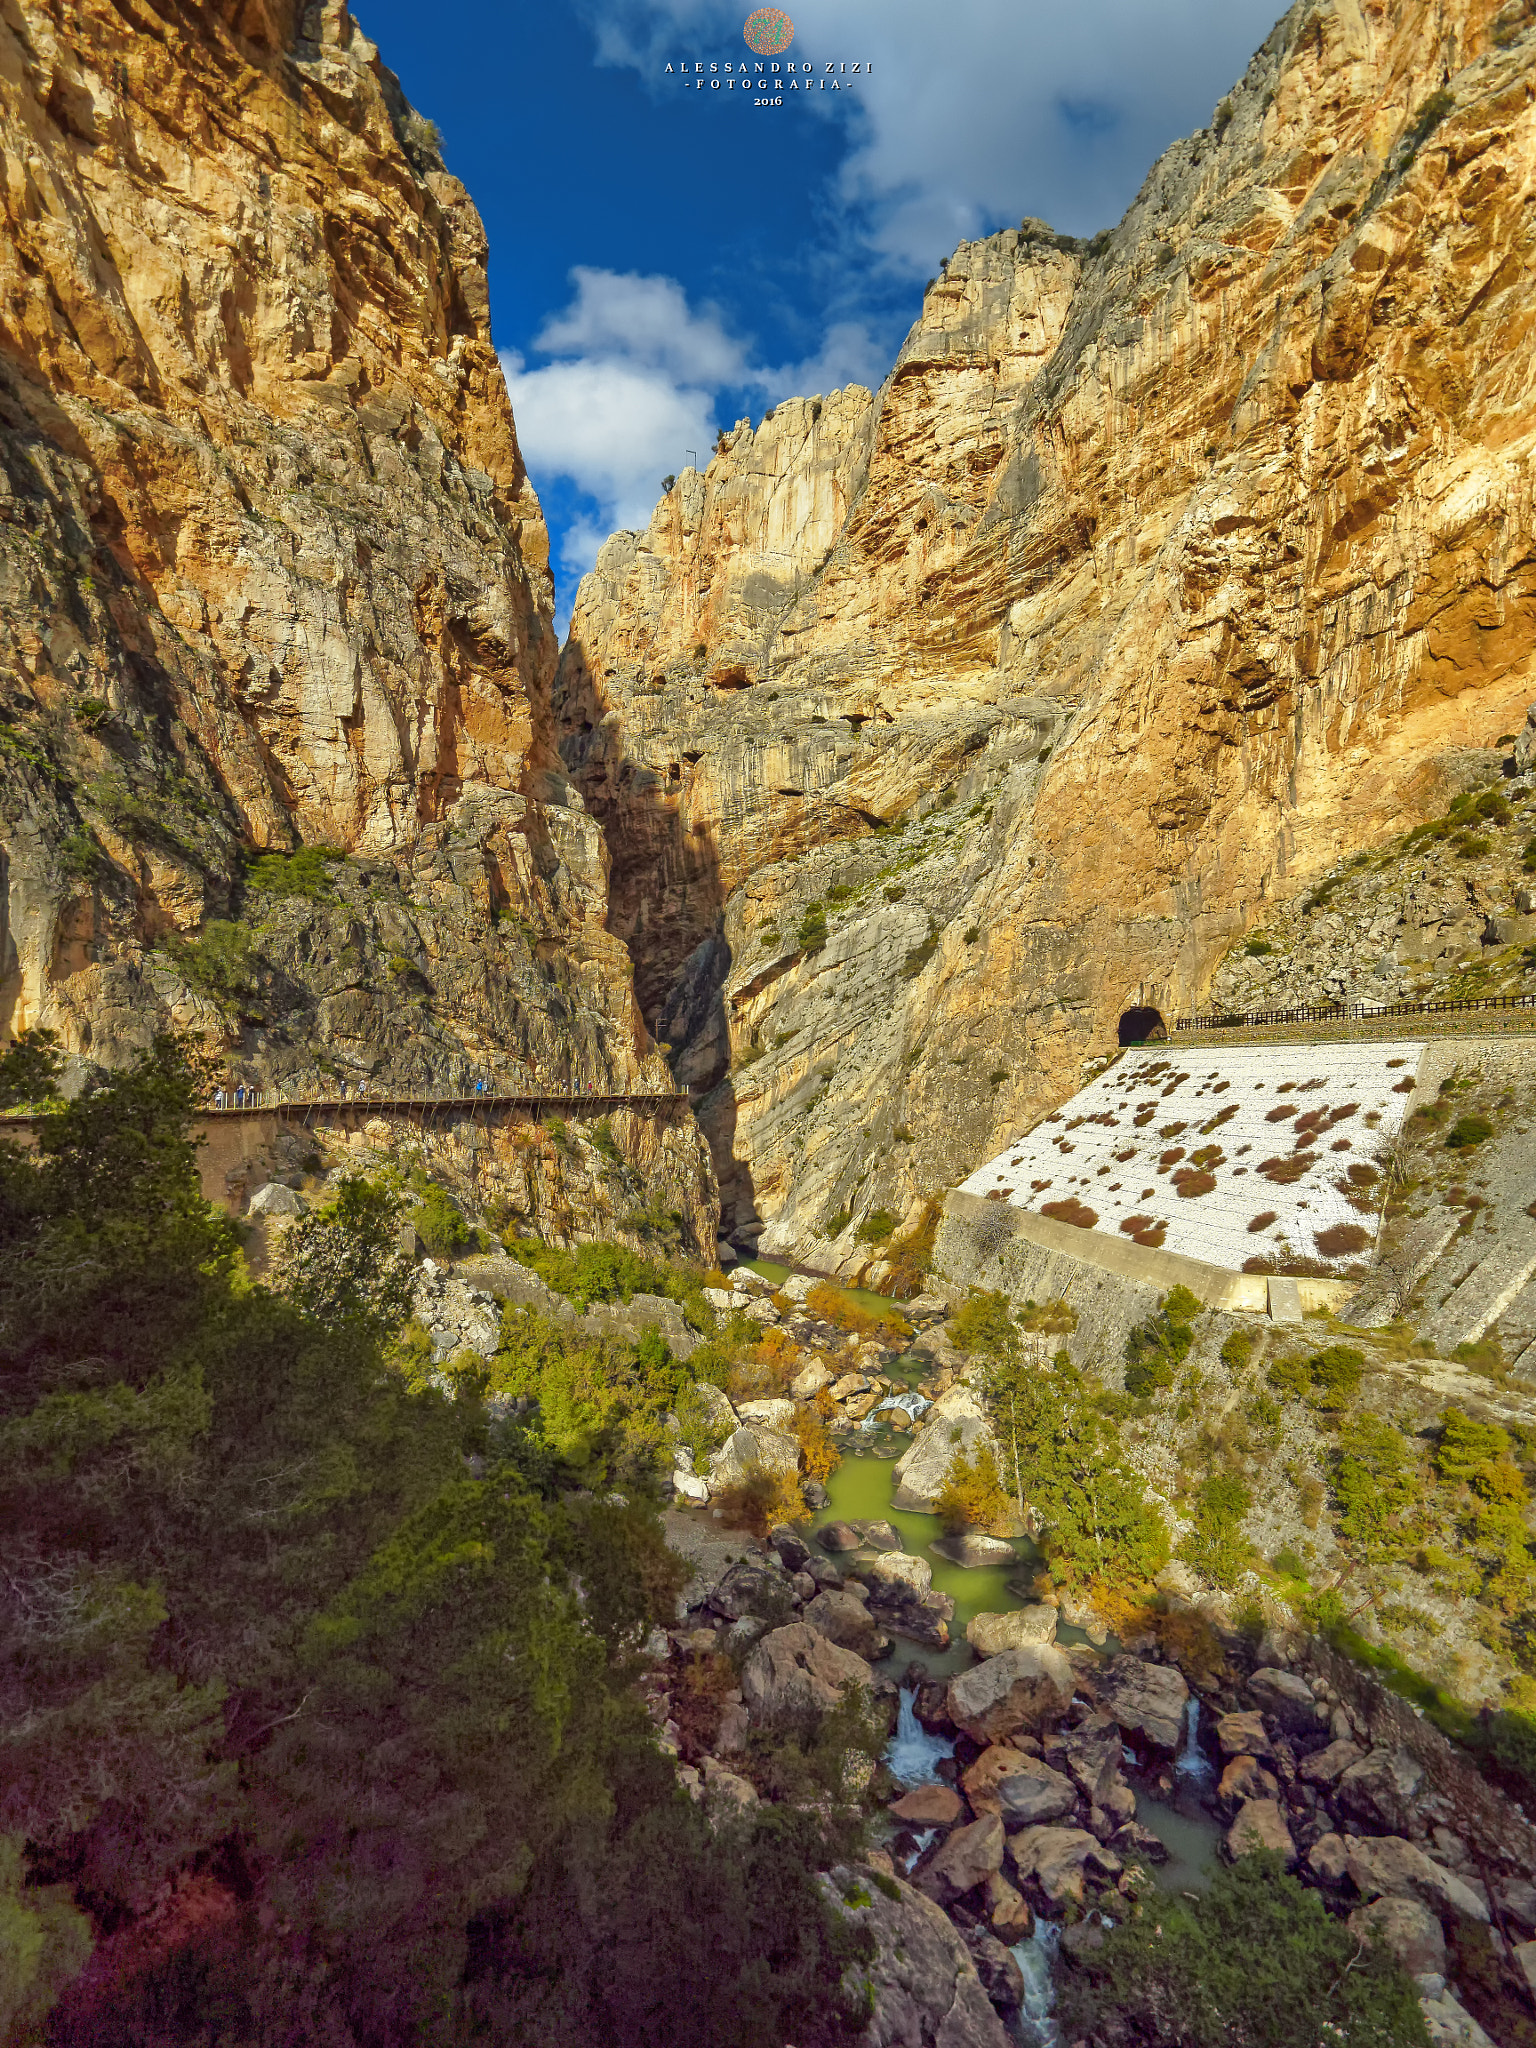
<point x="771" y="77"/>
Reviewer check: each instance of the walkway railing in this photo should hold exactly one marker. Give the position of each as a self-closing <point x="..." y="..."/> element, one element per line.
<point x="1329" y="1013"/>
<point x="267" y="1102"/>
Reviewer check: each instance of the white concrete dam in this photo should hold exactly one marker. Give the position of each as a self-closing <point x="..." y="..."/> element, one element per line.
<point x="1223" y="1155"/>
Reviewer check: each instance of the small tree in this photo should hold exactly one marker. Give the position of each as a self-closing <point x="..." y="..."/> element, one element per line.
<point x="972" y="1495"/>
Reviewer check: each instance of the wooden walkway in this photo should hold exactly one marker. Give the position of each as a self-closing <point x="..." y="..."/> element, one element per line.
<point x="265" y="1103"/>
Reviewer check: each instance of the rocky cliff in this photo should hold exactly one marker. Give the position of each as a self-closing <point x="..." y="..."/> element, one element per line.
<point x="933" y="728"/>
<point x="273" y="578"/>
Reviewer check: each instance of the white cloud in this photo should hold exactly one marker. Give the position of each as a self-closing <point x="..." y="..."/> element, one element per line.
<point x="636" y="388"/>
<point x="613" y="428"/>
<point x="644" y="320"/>
<point x="984" y="110"/>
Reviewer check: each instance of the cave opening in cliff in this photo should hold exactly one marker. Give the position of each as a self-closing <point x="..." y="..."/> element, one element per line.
<point x="1142" y="1026"/>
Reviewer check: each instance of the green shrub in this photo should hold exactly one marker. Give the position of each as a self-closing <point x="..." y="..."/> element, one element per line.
<point x="1468" y="1131"/>
<point x="1257" y="947"/>
<point x="971" y="1496"/>
<point x="812" y="934"/>
<point x="983" y="1322"/>
<point x="877" y="1226"/>
<point x="1256" y="1958"/>
<point x="440" y="1224"/>
<point x="1157" y="1348"/>
<point x="1329" y="1379"/>
<point x="605" y="1144"/>
<point x="1217" y="1547"/>
<point x="222" y="962"/>
<point x="303" y="873"/>
<point x="1058" y="1450"/>
<point x="611" y="1272"/>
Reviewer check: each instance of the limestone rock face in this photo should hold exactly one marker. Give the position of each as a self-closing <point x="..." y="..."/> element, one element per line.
<point x="272" y="573"/>
<point x="926" y="1990"/>
<point x="935" y="727"/>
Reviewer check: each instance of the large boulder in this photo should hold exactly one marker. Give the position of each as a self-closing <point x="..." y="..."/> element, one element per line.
<point x="1057" y="1859"/>
<point x="1010" y="1913"/>
<point x="753" y="1452"/>
<point x="1260" y="1824"/>
<point x="928" y="1806"/>
<point x="277" y="1202"/>
<point x="796" y="1672"/>
<point x="900" y="1568"/>
<point x="975" y="1550"/>
<point x="1031" y="1800"/>
<point x="1146" y="1699"/>
<point x="925" y="1992"/>
<point x="1382" y="1790"/>
<point x="1001" y="1977"/>
<point x="955" y="1422"/>
<point x="1243" y="1735"/>
<point x="713" y="1406"/>
<point x="1246" y="1778"/>
<point x="966" y="1858"/>
<point x="990" y="1634"/>
<point x="1325" y="1766"/>
<point x="1021" y="1689"/>
<point x="758" y="1586"/>
<point x="1409" y="1929"/>
<point x="1385" y="1866"/>
<point x="808" y="1383"/>
<point x="778" y="1414"/>
<point x="1286" y="1698"/>
<point x="845" y="1620"/>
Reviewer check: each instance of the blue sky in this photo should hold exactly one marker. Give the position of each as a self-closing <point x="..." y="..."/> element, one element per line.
<point x="664" y="262"/>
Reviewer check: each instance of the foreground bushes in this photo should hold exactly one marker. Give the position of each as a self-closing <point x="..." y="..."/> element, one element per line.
<point x="315" y="1705"/>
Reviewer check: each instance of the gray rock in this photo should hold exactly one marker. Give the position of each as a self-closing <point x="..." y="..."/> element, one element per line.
<point x="925" y="1990"/>
<point x="809" y="1382"/>
<point x="1260" y="1824"/>
<point x="779" y="1415"/>
<point x="965" y="1858"/>
<point x="1001" y="1977"/>
<point x="1012" y="1919"/>
<point x="974" y="1550"/>
<point x="1449" y="2023"/>
<point x="1246" y="1778"/>
<point x="1382" y="1790"/>
<point x="790" y="1547"/>
<point x="898" y="1568"/>
<point x="990" y="1634"/>
<point x="1286" y="1698"/>
<point x="1243" y="1735"/>
<point x="839" y="1536"/>
<point x="1029" y="1801"/>
<point x="1020" y="1689"/>
<point x="750" y="1452"/>
<point x="1409" y="1929"/>
<point x="753" y="1586"/>
<point x="1146" y="1699"/>
<point x="796" y="1671"/>
<point x="846" y="1621"/>
<point x="1328" y="1859"/>
<point x="881" y="1535"/>
<point x="955" y="1422"/>
<point x="1324" y="1766"/>
<point x="1058" y="1859"/>
<point x="276" y="1200"/>
<point x="1386" y="1866"/>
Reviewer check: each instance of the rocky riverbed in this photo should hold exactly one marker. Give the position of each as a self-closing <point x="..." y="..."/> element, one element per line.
<point x="1007" y="1802"/>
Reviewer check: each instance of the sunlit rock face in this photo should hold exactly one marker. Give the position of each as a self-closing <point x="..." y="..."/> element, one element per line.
<point x="272" y="572"/>
<point x="1180" y="563"/>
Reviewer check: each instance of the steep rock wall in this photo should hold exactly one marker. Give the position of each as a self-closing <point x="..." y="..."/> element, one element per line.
<point x="1189" y="559"/>
<point x="272" y="574"/>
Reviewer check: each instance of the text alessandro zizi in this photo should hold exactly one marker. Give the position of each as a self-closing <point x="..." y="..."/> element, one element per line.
<point x="768" y="76"/>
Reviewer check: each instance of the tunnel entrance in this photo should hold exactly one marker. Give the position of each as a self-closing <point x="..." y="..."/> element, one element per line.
<point x="1142" y="1027"/>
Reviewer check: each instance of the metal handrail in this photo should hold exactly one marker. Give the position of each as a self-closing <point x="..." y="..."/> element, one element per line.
<point x="1327" y="1013"/>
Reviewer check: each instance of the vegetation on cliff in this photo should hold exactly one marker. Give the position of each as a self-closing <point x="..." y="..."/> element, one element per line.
<point x="317" y="1702"/>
